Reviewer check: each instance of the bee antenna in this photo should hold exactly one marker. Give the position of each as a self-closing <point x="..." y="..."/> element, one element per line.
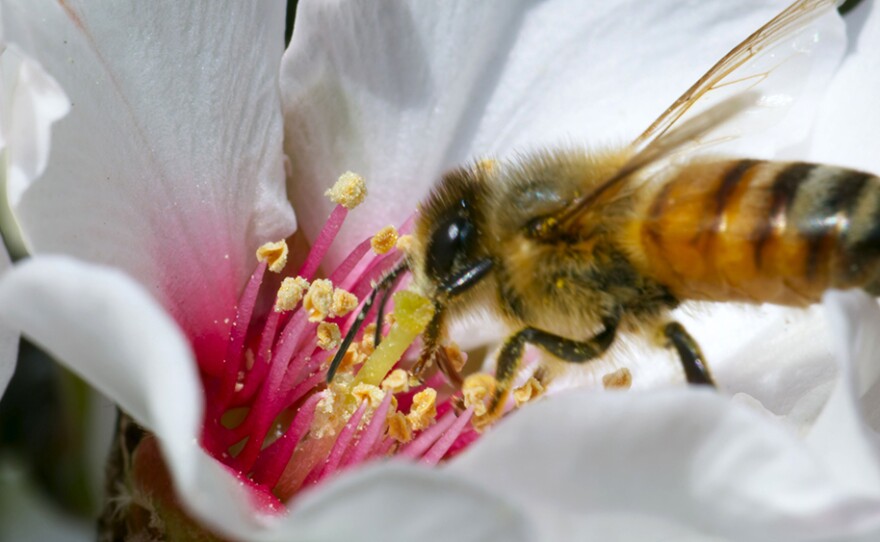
<point x="386" y="284"/>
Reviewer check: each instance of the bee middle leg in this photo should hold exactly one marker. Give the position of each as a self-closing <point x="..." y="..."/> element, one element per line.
<point x="561" y="347"/>
<point x="695" y="368"/>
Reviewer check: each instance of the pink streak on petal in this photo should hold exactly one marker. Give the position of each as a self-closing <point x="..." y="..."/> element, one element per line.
<point x="323" y="242"/>
<point x="371" y="434"/>
<point x="427" y="437"/>
<point x="436" y="453"/>
<point x="270" y="465"/>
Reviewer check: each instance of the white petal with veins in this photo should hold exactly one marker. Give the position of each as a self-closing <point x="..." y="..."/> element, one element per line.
<point x="169" y="164"/>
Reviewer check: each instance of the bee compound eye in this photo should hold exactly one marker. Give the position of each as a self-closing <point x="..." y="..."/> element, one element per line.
<point x="450" y="241"/>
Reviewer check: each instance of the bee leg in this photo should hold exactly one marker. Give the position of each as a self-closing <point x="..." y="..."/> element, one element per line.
<point x="562" y="348"/>
<point x="695" y="368"/>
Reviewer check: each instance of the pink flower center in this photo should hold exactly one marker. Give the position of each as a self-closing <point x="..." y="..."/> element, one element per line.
<point x="271" y="416"/>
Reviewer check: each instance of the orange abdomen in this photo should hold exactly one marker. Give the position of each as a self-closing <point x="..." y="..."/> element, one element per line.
<point x="747" y="230"/>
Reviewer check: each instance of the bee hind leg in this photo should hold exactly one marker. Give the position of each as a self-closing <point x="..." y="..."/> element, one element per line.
<point x="695" y="368"/>
<point x="561" y="347"/>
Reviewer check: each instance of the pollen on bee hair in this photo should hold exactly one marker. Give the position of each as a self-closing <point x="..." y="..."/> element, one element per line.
<point x="274" y="254"/>
<point x="404" y="243"/>
<point x="329" y="336"/>
<point x="384" y="240"/>
<point x="349" y="191"/>
<point x="343" y="302"/>
<point x="424" y="409"/>
<point x="620" y="379"/>
<point x="318" y="301"/>
<point x="290" y="293"/>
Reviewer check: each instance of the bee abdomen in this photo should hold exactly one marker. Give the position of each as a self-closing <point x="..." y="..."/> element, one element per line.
<point x="748" y="230"/>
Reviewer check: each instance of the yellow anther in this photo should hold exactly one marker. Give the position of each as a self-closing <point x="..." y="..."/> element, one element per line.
<point x="423" y="410"/>
<point x="290" y="293"/>
<point x="274" y="254"/>
<point x="343" y="302"/>
<point x="384" y="240"/>
<point x="620" y="379"/>
<point x="369" y="393"/>
<point x="476" y="390"/>
<point x="349" y="191"/>
<point x="318" y="301"/>
<point x="397" y="381"/>
<point x="398" y="427"/>
<point x="532" y="389"/>
<point x="329" y="336"/>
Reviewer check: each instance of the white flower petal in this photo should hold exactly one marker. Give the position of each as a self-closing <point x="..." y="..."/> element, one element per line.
<point x="400" y="91"/>
<point x="8" y="337"/>
<point x="846" y="129"/>
<point x="169" y="164"/>
<point x="31" y="102"/>
<point x="839" y="434"/>
<point x="396" y="502"/>
<point x="105" y="327"/>
<point x="689" y="457"/>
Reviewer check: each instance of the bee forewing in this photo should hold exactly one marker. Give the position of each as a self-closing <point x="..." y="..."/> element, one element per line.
<point x="784" y="66"/>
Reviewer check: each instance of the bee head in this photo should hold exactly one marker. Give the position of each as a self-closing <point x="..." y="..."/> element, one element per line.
<point x="449" y="258"/>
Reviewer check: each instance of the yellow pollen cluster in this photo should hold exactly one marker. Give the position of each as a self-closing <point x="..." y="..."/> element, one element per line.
<point x="329" y="336"/>
<point x="620" y="379"/>
<point x="397" y="381"/>
<point x="274" y="254"/>
<point x="333" y="410"/>
<point x="532" y="389"/>
<point x="352" y="357"/>
<point x="349" y="191"/>
<point x="398" y="427"/>
<point x="423" y="410"/>
<point x="290" y="293"/>
<point x="384" y="240"/>
<point x="318" y="301"/>
<point x="369" y="393"/>
<point x="477" y="388"/>
<point x="343" y="302"/>
<point x="405" y="243"/>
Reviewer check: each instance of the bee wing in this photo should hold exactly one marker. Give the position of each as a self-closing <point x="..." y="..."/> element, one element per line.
<point x="770" y="61"/>
<point x="761" y="75"/>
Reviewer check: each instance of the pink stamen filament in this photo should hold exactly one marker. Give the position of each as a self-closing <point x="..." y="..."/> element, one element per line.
<point x="370" y="435"/>
<point x="439" y="449"/>
<point x="287" y="371"/>
<point x="426" y="438"/>
<point x="323" y="242"/>
<point x="339" y="447"/>
<point x="268" y="469"/>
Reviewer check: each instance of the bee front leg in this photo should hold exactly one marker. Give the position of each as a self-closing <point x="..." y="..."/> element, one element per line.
<point x="695" y="368"/>
<point x="562" y="348"/>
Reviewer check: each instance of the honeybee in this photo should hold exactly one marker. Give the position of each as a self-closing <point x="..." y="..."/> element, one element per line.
<point x="571" y="246"/>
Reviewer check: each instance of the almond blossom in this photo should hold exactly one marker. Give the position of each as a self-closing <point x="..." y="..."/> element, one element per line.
<point x="167" y="175"/>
